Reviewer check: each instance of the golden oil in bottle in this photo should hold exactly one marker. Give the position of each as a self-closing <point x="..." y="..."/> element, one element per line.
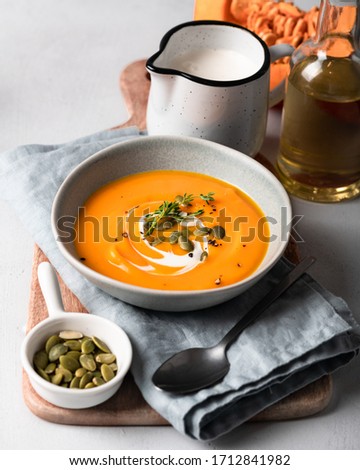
<point x="319" y="157"/>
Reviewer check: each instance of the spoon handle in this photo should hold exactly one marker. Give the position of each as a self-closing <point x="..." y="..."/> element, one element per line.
<point x="253" y="314"/>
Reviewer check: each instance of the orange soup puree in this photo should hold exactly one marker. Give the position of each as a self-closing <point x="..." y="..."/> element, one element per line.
<point x="172" y="230"/>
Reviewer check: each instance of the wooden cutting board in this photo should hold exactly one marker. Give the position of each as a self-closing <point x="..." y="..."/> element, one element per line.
<point x="127" y="406"/>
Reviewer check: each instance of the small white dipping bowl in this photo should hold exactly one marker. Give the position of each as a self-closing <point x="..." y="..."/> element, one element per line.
<point x="90" y="325"/>
<point x="173" y="153"/>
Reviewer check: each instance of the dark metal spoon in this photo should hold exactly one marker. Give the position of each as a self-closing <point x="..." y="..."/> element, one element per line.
<point x="196" y="368"/>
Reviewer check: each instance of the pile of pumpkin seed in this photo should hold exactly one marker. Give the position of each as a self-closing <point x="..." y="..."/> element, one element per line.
<point x="70" y="359"/>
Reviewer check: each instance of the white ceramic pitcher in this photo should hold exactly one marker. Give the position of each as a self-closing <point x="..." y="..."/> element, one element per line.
<point x="210" y="79"/>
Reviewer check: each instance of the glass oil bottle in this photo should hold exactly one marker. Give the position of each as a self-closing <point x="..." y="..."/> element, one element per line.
<point x="319" y="157"/>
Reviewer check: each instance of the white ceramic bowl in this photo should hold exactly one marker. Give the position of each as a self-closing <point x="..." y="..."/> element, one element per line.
<point x="176" y="153"/>
<point x="90" y="325"/>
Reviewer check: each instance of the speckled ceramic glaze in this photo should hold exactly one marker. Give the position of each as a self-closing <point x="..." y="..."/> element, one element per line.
<point x="173" y="153"/>
<point x="231" y="112"/>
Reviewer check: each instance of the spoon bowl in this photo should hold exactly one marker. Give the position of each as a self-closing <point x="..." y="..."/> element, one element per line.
<point x="192" y="369"/>
<point x="197" y="368"/>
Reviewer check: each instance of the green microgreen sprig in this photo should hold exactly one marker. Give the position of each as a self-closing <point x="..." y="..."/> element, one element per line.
<point x="207" y="197"/>
<point x="173" y="211"/>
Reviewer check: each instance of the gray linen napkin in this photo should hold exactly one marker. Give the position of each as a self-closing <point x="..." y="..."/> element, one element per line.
<point x="305" y="334"/>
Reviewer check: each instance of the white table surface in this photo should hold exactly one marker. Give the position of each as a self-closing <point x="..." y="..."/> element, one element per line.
<point x="59" y="69"/>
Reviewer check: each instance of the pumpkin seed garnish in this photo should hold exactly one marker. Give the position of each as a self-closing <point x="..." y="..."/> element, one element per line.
<point x="87" y="346"/>
<point x="98" y="381"/>
<point x="68" y="334"/>
<point x="80" y="372"/>
<point x="89" y="385"/>
<point x="73" y="345"/>
<point x="107" y="372"/>
<point x="218" y="231"/>
<point x="74" y="354"/>
<point x="75" y="383"/>
<point x="101" y="345"/>
<point x="54" y="339"/>
<point x="50" y="368"/>
<point x="57" y="351"/>
<point x="57" y="378"/>
<point x="43" y="374"/>
<point x="71" y="362"/>
<point x="174" y="237"/>
<point x="105" y="358"/>
<point x="186" y="244"/>
<point x="85" y="379"/>
<point x="41" y="359"/>
<point x="67" y="375"/>
<point x="202" y="232"/>
<point x="87" y="361"/>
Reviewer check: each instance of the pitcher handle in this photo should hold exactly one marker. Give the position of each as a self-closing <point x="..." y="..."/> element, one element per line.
<point x="277" y="52"/>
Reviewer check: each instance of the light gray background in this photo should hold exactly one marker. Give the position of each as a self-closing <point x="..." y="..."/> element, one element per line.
<point x="59" y="68"/>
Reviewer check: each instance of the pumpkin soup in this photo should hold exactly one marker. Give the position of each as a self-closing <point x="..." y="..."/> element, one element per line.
<point x="172" y="230"/>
